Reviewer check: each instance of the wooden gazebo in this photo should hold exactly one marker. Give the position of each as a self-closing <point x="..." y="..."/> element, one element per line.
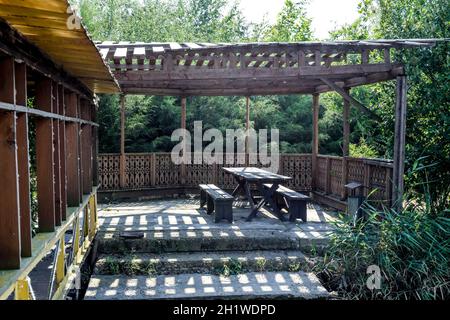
<point x="62" y="70"/>
<point x="193" y="69"/>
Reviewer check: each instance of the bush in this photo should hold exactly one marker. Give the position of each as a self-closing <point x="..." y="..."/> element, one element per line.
<point x="411" y="248"/>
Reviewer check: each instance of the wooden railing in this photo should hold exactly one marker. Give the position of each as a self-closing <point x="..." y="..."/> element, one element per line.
<point x="147" y="170"/>
<point x="333" y="173"/>
<point x="156" y="170"/>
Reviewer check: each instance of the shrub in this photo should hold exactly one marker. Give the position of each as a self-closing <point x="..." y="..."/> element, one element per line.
<point x="411" y="248"/>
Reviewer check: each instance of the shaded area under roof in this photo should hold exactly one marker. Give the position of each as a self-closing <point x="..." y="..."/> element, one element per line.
<point x="44" y="23"/>
<point x="252" y="68"/>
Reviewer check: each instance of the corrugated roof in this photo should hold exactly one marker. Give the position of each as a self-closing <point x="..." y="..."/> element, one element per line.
<point x="45" y="23"/>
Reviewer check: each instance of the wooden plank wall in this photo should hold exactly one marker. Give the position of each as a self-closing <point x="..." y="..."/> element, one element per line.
<point x="65" y="152"/>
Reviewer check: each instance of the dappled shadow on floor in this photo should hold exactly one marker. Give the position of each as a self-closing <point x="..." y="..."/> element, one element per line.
<point x="197" y="286"/>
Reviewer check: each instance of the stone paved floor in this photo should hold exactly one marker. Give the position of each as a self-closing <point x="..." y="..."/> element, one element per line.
<point x="178" y="232"/>
<point x="184" y="218"/>
<point x="268" y="285"/>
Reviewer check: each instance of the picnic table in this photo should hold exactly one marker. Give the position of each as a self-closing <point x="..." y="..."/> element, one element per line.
<point x="246" y="176"/>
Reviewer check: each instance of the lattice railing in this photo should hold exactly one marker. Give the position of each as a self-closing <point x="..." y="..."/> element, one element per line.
<point x="334" y="172"/>
<point x="108" y="171"/>
<point x="155" y="170"/>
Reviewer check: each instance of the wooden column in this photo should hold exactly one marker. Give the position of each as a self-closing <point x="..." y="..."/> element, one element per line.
<point x="399" y="142"/>
<point x="122" y="142"/>
<point x="247" y="128"/>
<point x="23" y="160"/>
<point x="183" y="126"/>
<point x="72" y="165"/>
<point x="346" y="127"/>
<point x="87" y="148"/>
<point x="80" y="150"/>
<point x="62" y="152"/>
<point x="9" y="196"/>
<point x="345" y="144"/>
<point x="45" y="157"/>
<point x="94" y="147"/>
<point x="315" y="138"/>
<point x="56" y="155"/>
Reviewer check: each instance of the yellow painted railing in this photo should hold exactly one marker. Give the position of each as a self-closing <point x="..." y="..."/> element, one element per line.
<point x="66" y="265"/>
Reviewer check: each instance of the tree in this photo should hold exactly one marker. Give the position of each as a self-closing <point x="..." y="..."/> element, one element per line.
<point x="292" y="24"/>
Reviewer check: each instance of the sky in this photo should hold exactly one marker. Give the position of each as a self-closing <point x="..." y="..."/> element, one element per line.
<point x="326" y="14"/>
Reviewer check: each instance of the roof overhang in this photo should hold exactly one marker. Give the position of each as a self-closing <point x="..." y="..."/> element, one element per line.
<point x="45" y="24"/>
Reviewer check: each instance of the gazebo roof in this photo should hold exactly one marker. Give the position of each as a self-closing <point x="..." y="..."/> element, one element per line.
<point x="245" y="69"/>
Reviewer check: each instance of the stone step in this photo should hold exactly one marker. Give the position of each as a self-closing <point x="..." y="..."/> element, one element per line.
<point x="225" y="262"/>
<point x="210" y="239"/>
<point x="266" y="285"/>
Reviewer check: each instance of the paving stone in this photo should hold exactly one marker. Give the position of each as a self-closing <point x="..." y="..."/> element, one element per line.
<point x="268" y="285"/>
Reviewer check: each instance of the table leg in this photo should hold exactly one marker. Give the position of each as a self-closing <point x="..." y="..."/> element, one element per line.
<point x="269" y="198"/>
<point x="240" y="186"/>
<point x="248" y="194"/>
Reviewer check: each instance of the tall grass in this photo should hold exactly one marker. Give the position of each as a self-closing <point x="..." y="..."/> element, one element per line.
<point x="411" y="248"/>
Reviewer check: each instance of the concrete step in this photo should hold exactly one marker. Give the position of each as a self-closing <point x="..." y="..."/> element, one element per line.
<point x="225" y="262"/>
<point x="210" y="239"/>
<point x="266" y="285"/>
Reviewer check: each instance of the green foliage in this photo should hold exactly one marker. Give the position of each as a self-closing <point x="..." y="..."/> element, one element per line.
<point x="292" y="24"/>
<point x="412" y="250"/>
<point x="362" y="150"/>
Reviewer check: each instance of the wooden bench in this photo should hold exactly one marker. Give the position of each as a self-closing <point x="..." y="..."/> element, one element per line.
<point x="216" y="200"/>
<point x="293" y="201"/>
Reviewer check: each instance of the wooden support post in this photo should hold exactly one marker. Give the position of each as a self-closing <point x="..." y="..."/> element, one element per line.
<point x="56" y="155"/>
<point x="94" y="146"/>
<point x="122" y="142"/>
<point x="94" y="156"/>
<point x="345" y="144"/>
<point x="346" y="127"/>
<point x="9" y="197"/>
<point x="62" y="152"/>
<point x="45" y="157"/>
<point x="399" y="143"/>
<point x="72" y="165"/>
<point x="247" y="128"/>
<point x="87" y="148"/>
<point x="23" y="160"/>
<point x="315" y="138"/>
<point x="80" y="149"/>
<point x="186" y="152"/>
